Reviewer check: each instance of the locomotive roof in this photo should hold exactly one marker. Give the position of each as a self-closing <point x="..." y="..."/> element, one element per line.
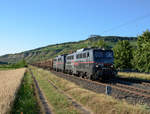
<point x="82" y="50"/>
<point x="85" y="49"/>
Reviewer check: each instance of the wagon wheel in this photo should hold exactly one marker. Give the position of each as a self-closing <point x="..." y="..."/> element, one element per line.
<point x="89" y="76"/>
<point x="97" y="76"/>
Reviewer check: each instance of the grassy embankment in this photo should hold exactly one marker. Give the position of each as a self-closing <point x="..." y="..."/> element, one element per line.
<point x="98" y="103"/>
<point x="58" y="102"/>
<point x="26" y="100"/>
<point x="138" y="76"/>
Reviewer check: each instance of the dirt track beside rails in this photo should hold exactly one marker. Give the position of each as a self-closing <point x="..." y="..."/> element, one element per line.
<point x="45" y="108"/>
<point x="124" y="92"/>
<point x="10" y="81"/>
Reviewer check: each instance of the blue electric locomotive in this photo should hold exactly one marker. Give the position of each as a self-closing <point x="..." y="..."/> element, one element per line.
<point x="89" y="63"/>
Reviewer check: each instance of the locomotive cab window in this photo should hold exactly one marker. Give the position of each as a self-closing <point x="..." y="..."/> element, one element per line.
<point x="98" y="54"/>
<point x="103" y="56"/>
<point x="109" y="54"/>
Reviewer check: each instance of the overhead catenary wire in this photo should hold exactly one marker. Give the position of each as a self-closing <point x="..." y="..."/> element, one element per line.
<point x="127" y="23"/>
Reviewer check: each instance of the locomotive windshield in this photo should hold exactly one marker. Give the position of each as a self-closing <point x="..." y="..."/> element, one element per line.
<point x="103" y="56"/>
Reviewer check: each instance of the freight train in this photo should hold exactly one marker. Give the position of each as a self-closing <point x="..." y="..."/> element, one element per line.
<point x="90" y="63"/>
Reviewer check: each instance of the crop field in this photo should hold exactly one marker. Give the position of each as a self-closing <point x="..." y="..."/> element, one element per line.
<point x="142" y="76"/>
<point x="10" y="81"/>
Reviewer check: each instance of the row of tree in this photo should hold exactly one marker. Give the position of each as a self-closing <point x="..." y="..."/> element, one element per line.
<point x="19" y="64"/>
<point x="133" y="57"/>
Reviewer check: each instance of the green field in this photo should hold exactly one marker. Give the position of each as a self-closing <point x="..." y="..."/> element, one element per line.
<point x="26" y="101"/>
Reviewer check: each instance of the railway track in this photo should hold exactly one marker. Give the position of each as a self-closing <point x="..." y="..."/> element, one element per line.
<point x="128" y="80"/>
<point x="136" y="90"/>
<point x="137" y="85"/>
<point x="146" y="84"/>
<point x="74" y="103"/>
<point x="143" y="87"/>
<point x="130" y="93"/>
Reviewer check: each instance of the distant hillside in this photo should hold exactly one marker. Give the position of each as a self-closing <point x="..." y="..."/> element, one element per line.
<point x="50" y="51"/>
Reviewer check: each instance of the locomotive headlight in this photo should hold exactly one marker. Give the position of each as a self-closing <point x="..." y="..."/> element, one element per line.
<point x="112" y="66"/>
<point x="96" y="66"/>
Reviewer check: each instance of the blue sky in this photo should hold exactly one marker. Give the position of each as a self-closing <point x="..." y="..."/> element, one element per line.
<point x="29" y="24"/>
